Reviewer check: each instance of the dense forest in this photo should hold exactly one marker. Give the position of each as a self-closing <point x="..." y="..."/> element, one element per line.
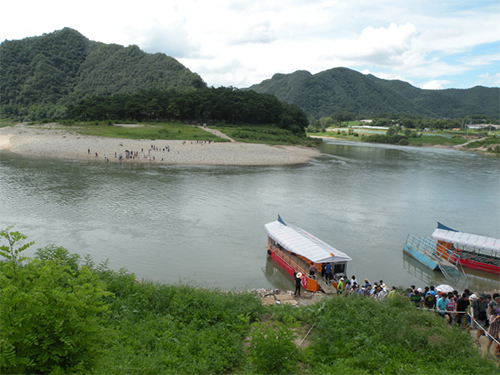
<point x="342" y="89"/>
<point x="203" y="105"/>
<point x="41" y="75"/>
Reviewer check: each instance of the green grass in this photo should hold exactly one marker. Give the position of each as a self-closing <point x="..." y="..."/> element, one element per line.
<point x="170" y="131"/>
<point x="335" y="135"/>
<point x="190" y="330"/>
<point x="436" y="140"/>
<point x="266" y="134"/>
<point x="7" y="122"/>
<point x="152" y="328"/>
<point x="485" y="142"/>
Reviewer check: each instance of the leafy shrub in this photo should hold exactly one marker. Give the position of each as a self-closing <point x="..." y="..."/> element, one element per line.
<point x="272" y="350"/>
<point x="49" y="317"/>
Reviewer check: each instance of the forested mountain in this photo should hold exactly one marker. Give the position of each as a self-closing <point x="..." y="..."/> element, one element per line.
<point x="342" y="89"/>
<point x="64" y="66"/>
<point x="41" y="76"/>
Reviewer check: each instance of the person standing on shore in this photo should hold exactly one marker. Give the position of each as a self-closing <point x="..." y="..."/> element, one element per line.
<point x="479" y="307"/>
<point x="494" y="320"/>
<point x="460" y="310"/>
<point x="297" y="277"/>
<point x="441" y="304"/>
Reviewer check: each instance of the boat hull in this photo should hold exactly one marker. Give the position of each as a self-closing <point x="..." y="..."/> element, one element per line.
<point x="421" y="257"/>
<point x="306" y="282"/>
<point x="480" y="266"/>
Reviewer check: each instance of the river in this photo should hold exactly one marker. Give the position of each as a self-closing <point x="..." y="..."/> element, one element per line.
<point x="203" y="225"/>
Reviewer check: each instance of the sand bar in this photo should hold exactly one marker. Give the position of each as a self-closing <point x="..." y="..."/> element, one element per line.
<point x="57" y="141"/>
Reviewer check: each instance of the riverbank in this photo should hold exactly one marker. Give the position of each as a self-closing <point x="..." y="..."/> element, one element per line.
<point x="483" y="149"/>
<point x="57" y="141"/>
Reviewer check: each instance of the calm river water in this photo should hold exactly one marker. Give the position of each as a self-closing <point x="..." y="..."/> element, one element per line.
<point x="204" y="225"/>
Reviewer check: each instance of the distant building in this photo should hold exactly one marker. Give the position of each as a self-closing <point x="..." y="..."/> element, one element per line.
<point x="367" y="121"/>
<point x="482" y="126"/>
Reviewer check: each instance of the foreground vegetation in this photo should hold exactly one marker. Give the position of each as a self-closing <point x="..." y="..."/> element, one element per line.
<point x="61" y="314"/>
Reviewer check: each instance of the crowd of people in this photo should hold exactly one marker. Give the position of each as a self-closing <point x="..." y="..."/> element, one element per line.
<point x="148" y="154"/>
<point x="468" y="311"/>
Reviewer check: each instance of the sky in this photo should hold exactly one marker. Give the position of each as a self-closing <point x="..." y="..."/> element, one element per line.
<point x="432" y="44"/>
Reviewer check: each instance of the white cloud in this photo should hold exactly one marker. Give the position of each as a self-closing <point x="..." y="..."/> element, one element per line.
<point x="171" y="39"/>
<point x="239" y="43"/>
<point x="435" y="84"/>
<point x="381" y="46"/>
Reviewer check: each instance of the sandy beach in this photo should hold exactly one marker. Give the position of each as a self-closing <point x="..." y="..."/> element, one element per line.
<point x="57" y="141"/>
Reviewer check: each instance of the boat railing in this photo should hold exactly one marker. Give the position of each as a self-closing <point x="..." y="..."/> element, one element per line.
<point x="481" y="258"/>
<point x="447" y="261"/>
<point x="288" y="260"/>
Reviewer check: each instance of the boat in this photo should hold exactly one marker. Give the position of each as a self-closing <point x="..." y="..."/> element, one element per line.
<point x="471" y="250"/>
<point x="428" y="252"/>
<point x="294" y="249"/>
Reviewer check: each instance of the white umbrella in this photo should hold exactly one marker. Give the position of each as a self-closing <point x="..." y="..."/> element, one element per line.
<point x="444" y="288"/>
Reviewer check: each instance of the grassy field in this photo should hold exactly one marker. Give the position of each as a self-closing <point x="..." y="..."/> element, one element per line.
<point x="170" y="131"/>
<point x="266" y="134"/>
<point x="427" y="140"/>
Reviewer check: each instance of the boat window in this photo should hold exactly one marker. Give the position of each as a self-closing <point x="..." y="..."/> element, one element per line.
<point x="339" y="268"/>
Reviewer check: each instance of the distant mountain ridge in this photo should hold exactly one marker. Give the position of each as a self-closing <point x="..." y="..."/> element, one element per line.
<point x="343" y="89"/>
<point x="64" y="66"/>
<point x="40" y="76"/>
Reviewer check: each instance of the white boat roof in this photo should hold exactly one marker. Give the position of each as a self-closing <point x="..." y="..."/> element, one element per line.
<point x="300" y="242"/>
<point x="471" y="241"/>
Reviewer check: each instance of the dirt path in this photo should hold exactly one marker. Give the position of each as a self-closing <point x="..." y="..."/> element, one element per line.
<point x="472" y="140"/>
<point x="217" y="133"/>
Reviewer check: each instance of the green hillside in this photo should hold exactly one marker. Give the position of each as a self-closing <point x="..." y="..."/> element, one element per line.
<point x="64" y="66"/>
<point x="40" y="76"/>
<point x="342" y="89"/>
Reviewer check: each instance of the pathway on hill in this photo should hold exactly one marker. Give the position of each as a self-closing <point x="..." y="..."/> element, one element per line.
<point x="472" y="140"/>
<point x="217" y="133"/>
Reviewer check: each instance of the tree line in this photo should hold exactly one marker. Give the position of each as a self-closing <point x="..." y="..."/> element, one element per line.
<point x="208" y="105"/>
<point x="342" y="118"/>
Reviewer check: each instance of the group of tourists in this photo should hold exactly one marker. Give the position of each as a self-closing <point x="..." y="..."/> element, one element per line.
<point x="148" y="154"/>
<point x="468" y="311"/>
